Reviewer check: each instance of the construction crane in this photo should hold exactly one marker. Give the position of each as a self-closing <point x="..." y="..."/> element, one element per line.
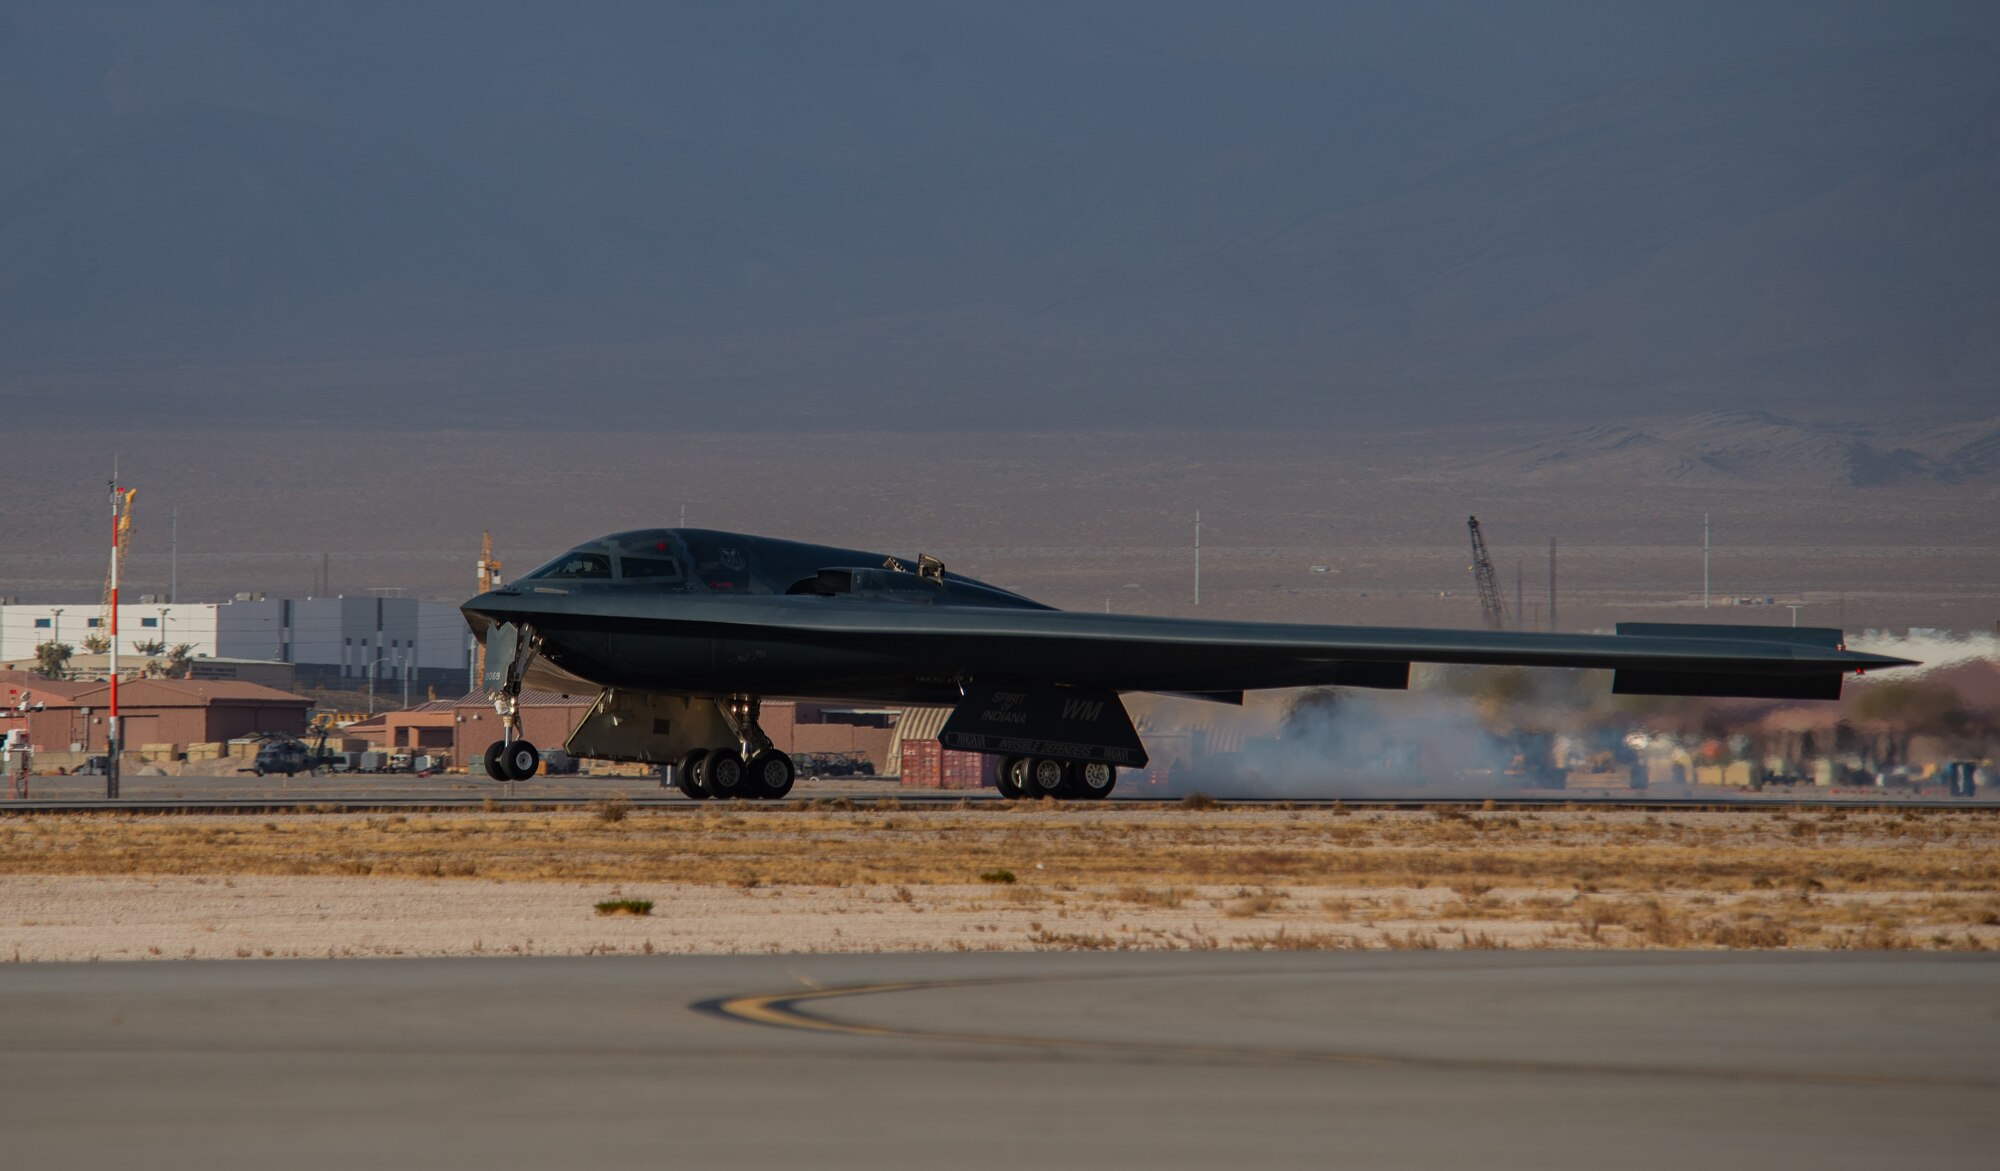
<point x="1482" y="575"/>
<point x="488" y="578"/>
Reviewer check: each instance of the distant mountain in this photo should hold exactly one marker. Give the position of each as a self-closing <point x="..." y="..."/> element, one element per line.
<point x="927" y="217"/>
<point x="1755" y="448"/>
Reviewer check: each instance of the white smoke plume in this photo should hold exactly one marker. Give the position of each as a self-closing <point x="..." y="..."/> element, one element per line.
<point x="1429" y="741"/>
<point x="1935" y="650"/>
<point x="1465" y="732"/>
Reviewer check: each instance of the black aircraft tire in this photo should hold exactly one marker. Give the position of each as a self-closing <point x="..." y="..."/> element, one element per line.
<point x="687" y="775"/>
<point x="1048" y="778"/>
<point x="1086" y="773"/>
<point x="1004" y="779"/>
<point x="770" y="775"/>
<point x="724" y="775"/>
<point x="522" y="759"/>
<point x="496" y="760"/>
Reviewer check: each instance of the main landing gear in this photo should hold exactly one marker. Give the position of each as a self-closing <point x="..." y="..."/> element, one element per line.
<point x="751" y="768"/>
<point x="1065" y="780"/>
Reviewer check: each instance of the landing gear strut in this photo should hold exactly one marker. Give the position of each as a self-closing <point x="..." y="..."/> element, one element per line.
<point x="512" y="758"/>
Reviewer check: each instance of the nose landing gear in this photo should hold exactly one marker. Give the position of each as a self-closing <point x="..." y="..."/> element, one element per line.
<point x="512" y="758"/>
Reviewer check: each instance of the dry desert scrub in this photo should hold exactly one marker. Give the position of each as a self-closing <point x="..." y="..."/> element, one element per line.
<point x="1194" y="876"/>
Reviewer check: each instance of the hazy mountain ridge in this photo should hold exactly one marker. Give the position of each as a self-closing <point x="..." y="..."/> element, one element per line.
<point x="1756" y="448"/>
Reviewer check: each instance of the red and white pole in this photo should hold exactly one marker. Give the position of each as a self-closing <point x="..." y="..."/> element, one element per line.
<point x="114" y="735"/>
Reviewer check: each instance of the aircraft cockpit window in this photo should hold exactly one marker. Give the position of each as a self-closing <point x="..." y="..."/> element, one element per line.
<point x="650" y="568"/>
<point x="723" y="565"/>
<point x="577" y="565"/>
<point x="650" y="557"/>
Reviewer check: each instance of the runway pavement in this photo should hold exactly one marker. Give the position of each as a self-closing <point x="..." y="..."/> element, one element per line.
<point x="1385" y="1059"/>
<point x="242" y="792"/>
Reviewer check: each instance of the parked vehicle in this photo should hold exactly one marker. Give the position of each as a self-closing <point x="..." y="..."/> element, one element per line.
<point x="290" y="755"/>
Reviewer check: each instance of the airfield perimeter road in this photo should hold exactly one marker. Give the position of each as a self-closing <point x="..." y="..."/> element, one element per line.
<point x="376" y="792"/>
<point x="1387" y="1059"/>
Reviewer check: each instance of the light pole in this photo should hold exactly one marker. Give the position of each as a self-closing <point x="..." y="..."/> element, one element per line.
<point x="55" y="639"/>
<point x="1704" y="561"/>
<point x="370" y="668"/>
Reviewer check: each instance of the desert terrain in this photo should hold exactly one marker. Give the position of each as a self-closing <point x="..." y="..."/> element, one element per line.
<point x="829" y="876"/>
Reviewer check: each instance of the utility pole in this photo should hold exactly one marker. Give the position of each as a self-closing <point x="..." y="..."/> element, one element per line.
<point x="1520" y="615"/>
<point x="1552" y="583"/>
<point x="1794" y="608"/>
<point x="1197" y="557"/>
<point x="1704" y="561"/>
<point x="114" y="735"/>
<point x="173" y="561"/>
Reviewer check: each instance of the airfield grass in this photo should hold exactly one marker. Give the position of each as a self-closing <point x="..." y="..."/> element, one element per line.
<point x="1103" y="876"/>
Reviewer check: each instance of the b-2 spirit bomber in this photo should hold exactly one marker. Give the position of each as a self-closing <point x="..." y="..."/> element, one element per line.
<point x="682" y="633"/>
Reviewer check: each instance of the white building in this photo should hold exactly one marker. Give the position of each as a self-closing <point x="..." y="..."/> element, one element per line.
<point x="328" y="639"/>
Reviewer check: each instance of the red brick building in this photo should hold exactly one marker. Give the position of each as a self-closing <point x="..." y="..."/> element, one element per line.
<point x="547" y="719"/>
<point x="159" y="711"/>
<point x="428" y="727"/>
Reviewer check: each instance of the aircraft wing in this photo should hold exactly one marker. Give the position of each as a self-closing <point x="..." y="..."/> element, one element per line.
<point x="1134" y="653"/>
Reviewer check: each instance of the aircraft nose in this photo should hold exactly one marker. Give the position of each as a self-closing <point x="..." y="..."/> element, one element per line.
<point x="484" y="610"/>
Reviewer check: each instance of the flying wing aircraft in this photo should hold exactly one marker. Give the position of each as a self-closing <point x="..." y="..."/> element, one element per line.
<point x="682" y="633"/>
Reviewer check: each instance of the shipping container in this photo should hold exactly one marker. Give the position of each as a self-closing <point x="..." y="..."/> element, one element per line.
<point x="929" y="765"/>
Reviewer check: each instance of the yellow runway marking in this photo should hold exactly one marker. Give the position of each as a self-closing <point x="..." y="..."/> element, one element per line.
<point x="782" y="1010"/>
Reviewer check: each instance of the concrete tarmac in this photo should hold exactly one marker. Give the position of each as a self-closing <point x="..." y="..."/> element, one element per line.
<point x="243" y="791"/>
<point x="1383" y="1059"/>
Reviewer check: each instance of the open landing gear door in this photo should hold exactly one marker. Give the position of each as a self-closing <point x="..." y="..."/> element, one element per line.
<point x="648" y="728"/>
<point x="502" y="639"/>
<point x="1057" y="722"/>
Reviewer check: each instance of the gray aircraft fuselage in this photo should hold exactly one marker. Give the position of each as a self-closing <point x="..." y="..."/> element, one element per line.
<point x="703" y="613"/>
